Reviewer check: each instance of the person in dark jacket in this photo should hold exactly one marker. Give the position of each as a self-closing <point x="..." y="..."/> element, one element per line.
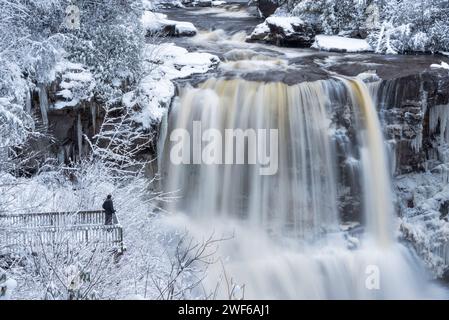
<point x="108" y="207"/>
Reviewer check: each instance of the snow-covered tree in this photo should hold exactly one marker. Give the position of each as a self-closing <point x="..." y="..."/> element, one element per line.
<point x="403" y="25"/>
<point x="110" y="42"/>
<point x="30" y="45"/>
<point x="333" y="17"/>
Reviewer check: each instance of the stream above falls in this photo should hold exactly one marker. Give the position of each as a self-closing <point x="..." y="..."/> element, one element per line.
<point x="222" y="31"/>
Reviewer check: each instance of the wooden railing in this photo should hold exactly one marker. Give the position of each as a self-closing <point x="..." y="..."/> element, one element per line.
<point x="36" y="229"/>
<point x="56" y="219"/>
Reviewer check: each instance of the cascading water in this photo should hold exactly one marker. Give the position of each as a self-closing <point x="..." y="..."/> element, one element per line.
<point x="378" y="201"/>
<point x="289" y="201"/>
<point x="269" y="215"/>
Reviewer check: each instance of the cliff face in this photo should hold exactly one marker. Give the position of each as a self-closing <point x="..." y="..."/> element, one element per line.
<point x="415" y="110"/>
<point x="406" y="105"/>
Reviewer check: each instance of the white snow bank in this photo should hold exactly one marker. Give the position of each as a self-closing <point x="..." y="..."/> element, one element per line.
<point x="443" y="65"/>
<point x="155" y="23"/>
<point x="341" y="44"/>
<point x="218" y="3"/>
<point x="164" y="63"/>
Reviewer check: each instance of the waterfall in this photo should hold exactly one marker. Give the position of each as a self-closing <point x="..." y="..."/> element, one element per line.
<point x="378" y="201"/>
<point x="287" y="241"/>
<point x="290" y="201"/>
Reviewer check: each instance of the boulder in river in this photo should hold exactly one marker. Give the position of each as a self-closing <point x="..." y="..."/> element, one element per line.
<point x="284" y="31"/>
<point x="158" y="24"/>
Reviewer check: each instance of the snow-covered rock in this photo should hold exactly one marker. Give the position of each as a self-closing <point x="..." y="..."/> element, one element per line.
<point x="217" y="3"/>
<point x="164" y="63"/>
<point x="341" y="44"/>
<point x="442" y="65"/>
<point x="76" y="85"/>
<point x="288" y="31"/>
<point x="158" y="24"/>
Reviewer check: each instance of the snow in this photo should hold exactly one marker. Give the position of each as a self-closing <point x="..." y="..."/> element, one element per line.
<point x="186" y="28"/>
<point x="341" y="44"/>
<point x="53" y="191"/>
<point x="175" y="62"/>
<point x="13" y="122"/>
<point x="260" y="31"/>
<point x="285" y="23"/>
<point x="422" y="197"/>
<point x="77" y="84"/>
<point x="148" y="5"/>
<point x="442" y="65"/>
<point x="164" y="63"/>
<point x="154" y="23"/>
<point x="9" y="285"/>
<point x="218" y="3"/>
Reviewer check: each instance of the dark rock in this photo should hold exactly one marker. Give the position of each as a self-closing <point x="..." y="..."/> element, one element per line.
<point x="445" y="276"/>
<point x="444" y="209"/>
<point x="203" y="3"/>
<point x="267" y="7"/>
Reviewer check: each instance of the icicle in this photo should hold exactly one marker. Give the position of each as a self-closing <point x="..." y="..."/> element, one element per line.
<point x="79" y="132"/>
<point x="93" y="110"/>
<point x="43" y="103"/>
<point x="61" y="155"/>
<point x="391" y="149"/>
<point x="28" y="105"/>
<point x="440" y="115"/>
<point x="416" y="143"/>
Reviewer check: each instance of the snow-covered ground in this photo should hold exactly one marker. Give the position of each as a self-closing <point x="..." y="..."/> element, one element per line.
<point x="341" y="44"/>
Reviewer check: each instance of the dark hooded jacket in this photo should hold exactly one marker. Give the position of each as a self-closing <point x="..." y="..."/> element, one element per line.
<point x="108" y="207"/>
